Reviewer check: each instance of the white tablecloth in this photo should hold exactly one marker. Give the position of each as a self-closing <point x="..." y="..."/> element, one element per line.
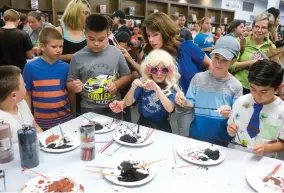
<point x="229" y="176"/>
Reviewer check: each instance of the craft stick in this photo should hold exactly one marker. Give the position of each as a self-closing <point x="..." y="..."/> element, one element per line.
<point x="36" y="173"/>
<point x="149" y="163"/>
<point x="184" y="166"/>
<point x="106" y="146"/>
<point x="101" y="173"/>
<point x="100" y="167"/>
<point x="174" y="156"/>
<point x="115" y="150"/>
<point x="149" y="135"/>
<point x="4" y="181"/>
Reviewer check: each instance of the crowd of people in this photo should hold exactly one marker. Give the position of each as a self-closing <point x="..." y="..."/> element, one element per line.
<point x="223" y="87"/>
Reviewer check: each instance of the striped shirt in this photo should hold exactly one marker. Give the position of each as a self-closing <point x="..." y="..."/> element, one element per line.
<point x="47" y="84"/>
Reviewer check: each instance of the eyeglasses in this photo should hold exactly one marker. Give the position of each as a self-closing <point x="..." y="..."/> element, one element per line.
<point x="257" y="27"/>
<point x="156" y="70"/>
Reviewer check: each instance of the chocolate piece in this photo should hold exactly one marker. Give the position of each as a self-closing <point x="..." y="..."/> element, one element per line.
<point x="214" y="155"/>
<point x="128" y="139"/>
<point x="130" y="173"/>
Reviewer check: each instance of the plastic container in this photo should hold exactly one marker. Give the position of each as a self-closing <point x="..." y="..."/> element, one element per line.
<point x="28" y="146"/>
<point x="87" y="137"/>
<point x="6" y="143"/>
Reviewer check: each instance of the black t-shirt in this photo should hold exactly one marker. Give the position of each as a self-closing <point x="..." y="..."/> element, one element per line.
<point x="13" y="46"/>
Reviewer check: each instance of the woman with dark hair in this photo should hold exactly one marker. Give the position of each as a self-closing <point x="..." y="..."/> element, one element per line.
<point x="236" y="28"/>
<point x="218" y="34"/>
<point x="276" y="13"/>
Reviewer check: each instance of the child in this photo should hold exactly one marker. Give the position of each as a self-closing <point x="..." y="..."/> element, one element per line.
<point x="13" y="108"/>
<point x="46" y="79"/>
<point x="15" y="45"/>
<point x="212" y="91"/>
<point x="155" y="91"/>
<point x="257" y="120"/>
<point x="204" y="39"/>
<point x="99" y="70"/>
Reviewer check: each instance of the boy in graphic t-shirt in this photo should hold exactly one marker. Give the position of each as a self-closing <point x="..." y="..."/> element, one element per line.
<point x="99" y="70"/>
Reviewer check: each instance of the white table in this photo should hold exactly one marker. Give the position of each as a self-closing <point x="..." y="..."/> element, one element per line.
<point x="229" y="176"/>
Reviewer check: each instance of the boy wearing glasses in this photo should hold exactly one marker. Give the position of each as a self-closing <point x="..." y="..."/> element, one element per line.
<point x="99" y="70"/>
<point x="213" y="93"/>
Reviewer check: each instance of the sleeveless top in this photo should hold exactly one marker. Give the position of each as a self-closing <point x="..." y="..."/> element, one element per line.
<point x="71" y="46"/>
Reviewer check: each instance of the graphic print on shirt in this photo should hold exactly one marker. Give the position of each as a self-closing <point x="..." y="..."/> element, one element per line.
<point x="100" y="76"/>
<point x="208" y="40"/>
<point x="153" y="105"/>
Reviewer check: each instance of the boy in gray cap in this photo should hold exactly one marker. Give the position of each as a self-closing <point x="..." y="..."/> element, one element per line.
<point x="213" y="93"/>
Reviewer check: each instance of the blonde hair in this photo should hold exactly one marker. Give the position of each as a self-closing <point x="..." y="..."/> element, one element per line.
<point x="264" y="16"/>
<point x="73" y="12"/>
<point x="155" y="58"/>
<point x="11" y="15"/>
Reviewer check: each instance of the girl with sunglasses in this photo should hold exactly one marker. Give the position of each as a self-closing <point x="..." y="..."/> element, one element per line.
<point x="154" y="92"/>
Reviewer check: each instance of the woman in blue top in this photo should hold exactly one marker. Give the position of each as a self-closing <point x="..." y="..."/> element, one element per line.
<point x="160" y="32"/>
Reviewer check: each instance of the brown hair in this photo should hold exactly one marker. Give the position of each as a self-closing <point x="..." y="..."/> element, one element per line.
<point x="47" y="34"/>
<point x="9" y="80"/>
<point x="160" y="22"/>
<point x="11" y="15"/>
<point x="203" y="20"/>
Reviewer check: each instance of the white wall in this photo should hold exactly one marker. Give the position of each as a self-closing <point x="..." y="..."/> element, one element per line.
<point x="259" y="6"/>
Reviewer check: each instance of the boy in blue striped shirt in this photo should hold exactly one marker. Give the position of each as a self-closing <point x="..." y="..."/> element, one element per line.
<point x="46" y="79"/>
<point x="212" y="94"/>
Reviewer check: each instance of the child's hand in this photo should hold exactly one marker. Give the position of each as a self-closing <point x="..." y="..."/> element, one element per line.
<point x="259" y="149"/>
<point x="117" y="106"/>
<point x="77" y="85"/>
<point x="225" y="111"/>
<point x="180" y="99"/>
<point x="125" y="53"/>
<point x="137" y="83"/>
<point x="112" y="88"/>
<point x="232" y="129"/>
<point x="151" y="85"/>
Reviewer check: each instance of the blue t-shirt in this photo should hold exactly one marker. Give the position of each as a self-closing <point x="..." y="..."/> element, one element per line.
<point x="150" y="105"/>
<point x="204" y="40"/>
<point x="206" y="91"/>
<point x="190" y="58"/>
<point x="47" y="84"/>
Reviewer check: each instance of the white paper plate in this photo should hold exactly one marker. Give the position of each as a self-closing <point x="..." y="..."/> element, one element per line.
<point x="256" y="175"/>
<point x="73" y="137"/>
<point x="122" y="130"/>
<point x="196" y="149"/>
<point x="117" y="189"/>
<point x="108" y="124"/>
<point x="114" y="179"/>
<point x="34" y="186"/>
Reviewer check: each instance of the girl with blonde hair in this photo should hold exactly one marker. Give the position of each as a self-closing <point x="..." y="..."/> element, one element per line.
<point x="72" y="29"/>
<point x="155" y="91"/>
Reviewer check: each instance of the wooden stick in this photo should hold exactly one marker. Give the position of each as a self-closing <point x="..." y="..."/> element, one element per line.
<point x="101" y="173"/>
<point x="100" y="167"/>
<point x="149" y="163"/>
<point x="148" y="135"/>
<point x="174" y="156"/>
<point x="36" y="173"/>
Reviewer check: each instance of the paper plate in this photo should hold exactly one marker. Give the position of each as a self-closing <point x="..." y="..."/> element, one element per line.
<point x="131" y="129"/>
<point x="109" y="124"/>
<point x="116" y="172"/>
<point x="194" y="152"/>
<point x="117" y="189"/>
<point x="39" y="184"/>
<point x="71" y="137"/>
<point x="255" y="179"/>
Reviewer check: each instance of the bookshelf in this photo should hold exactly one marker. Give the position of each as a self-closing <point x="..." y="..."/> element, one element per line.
<point x="180" y="8"/>
<point x="152" y="5"/>
<point x="199" y="12"/>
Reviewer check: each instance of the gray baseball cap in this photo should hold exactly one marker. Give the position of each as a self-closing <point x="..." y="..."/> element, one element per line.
<point x="227" y="46"/>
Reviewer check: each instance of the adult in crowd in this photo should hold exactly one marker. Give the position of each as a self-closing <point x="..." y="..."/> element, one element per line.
<point x="23" y="21"/>
<point x="204" y="39"/>
<point x="236" y="28"/>
<point x="274" y="30"/>
<point x="119" y="21"/>
<point x="196" y="29"/>
<point x="35" y="26"/>
<point x="257" y="44"/>
<point x="184" y="31"/>
<point x="72" y="30"/>
<point x="15" y="45"/>
<point x="218" y="34"/>
<point x="160" y="32"/>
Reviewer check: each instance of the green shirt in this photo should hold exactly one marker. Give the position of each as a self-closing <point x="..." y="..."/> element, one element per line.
<point x="250" y="50"/>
